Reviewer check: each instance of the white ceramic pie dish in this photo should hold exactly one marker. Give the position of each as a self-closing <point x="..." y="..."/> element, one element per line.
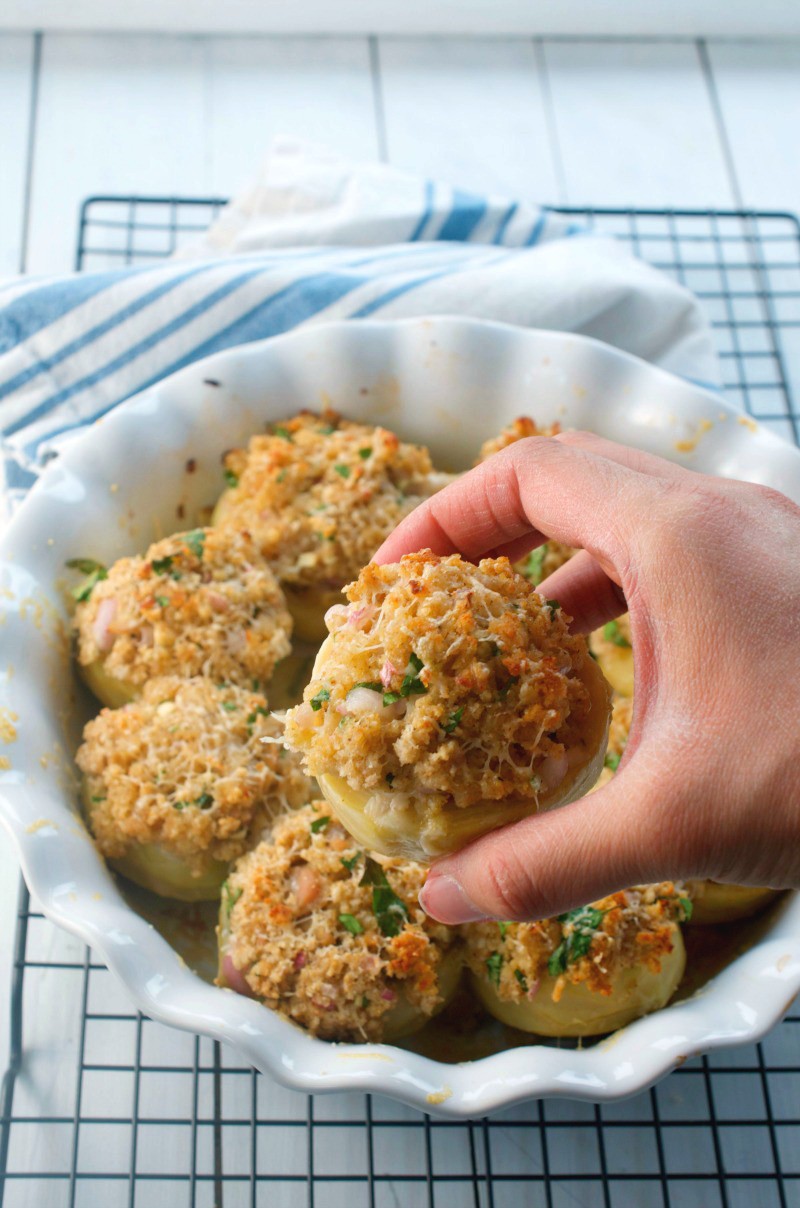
<point x="448" y="383"/>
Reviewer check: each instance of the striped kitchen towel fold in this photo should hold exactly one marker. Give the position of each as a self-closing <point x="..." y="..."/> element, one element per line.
<point x="319" y="239"/>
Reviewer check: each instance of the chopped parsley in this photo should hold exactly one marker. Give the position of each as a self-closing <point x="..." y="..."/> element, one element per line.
<point x="342" y="471"/>
<point x="96" y="800"/>
<point x="391" y="698"/>
<point x="686" y="904"/>
<point x="162" y="601"/>
<point x="327" y="430"/>
<point x="503" y="928"/>
<point x="390" y="911"/>
<point x="613" y="633"/>
<point x="281" y="475"/>
<point x="373" y="685"/>
<point x="279" y="430"/>
<point x="319" y="824"/>
<point x="230" y="896"/>
<point x="554" y="606"/>
<point x="95" y="572"/>
<point x="612" y="760"/>
<point x="494" y="964"/>
<point x="229" y="706"/>
<point x="231" y="478"/>
<point x="351" y="861"/>
<point x="196" y="541"/>
<point x="532" y="566"/>
<point x="453" y="720"/>
<point x="365" y="453"/>
<point x="317" y="701"/>
<point x="507" y="686"/>
<point x="163" y="566"/>
<point x="412" y="685"/>
<point x="253" y="717"/>
<point x="583" y="923"/>
<point x="364" y="1002"/>
<point x="204" y="801"/>
<point x="351" y="923"/>
<point x="522" y="979"/>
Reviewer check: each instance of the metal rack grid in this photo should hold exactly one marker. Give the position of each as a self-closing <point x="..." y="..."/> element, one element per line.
<point x="101" y="1106"/>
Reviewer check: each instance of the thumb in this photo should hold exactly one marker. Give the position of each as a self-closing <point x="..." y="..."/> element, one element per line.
<point x="555" y="861"/>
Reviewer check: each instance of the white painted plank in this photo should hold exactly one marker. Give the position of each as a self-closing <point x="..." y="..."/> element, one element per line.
<point x="312" y="88"/>
<point x="623" y="18"/>
<point x="470" y="112"/>
<point x="116" y="114"/>
<point x="758" y="85"/>
<point x="635" y="125"/>
<point x="16" y="67"/>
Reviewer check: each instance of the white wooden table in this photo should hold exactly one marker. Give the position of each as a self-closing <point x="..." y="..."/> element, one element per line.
<point x="600" y="122"/>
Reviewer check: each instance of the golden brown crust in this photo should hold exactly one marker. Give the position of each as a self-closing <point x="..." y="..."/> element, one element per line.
<point x="185" y="767"/>
<point x="320" y="494"/>
<point x="590" y="945"/>
<point x="302" y="928"/>
<point x="519" y="429"/>
<point x="198" y="603"/>
<point x="484" y="696"/>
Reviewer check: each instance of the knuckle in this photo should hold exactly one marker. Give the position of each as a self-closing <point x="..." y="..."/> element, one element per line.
<point x="506" y="887"/>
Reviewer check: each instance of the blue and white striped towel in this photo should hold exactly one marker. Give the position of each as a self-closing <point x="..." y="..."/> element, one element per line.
<point x="318" y="239"/>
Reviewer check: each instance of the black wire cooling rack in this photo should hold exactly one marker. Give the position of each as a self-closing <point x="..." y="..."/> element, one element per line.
<point x="103" y="1108"/>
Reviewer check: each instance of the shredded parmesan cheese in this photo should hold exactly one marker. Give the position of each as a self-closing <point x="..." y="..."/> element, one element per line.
<point x="184" y="767"/>
<point x="299" y="922"/>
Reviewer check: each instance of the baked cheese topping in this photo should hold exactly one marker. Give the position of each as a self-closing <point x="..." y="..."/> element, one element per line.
<point x="320" y="494"/>
<point x="328" y="935"/>
<point x="446" y="678"/>
<point x="198" y="603"/>
<point x="589" y="945"/>
<point x="184" y="766"/>
<point x="519" y="429"/>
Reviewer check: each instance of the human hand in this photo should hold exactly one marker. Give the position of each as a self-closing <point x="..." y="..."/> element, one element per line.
<point x="709" y="569"/>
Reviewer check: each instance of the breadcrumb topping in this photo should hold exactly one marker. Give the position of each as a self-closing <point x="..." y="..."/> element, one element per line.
<point x="519" y="429"/>
<point x="445" y="678"/>
<point x="591" y="944"/>
<point x="184" y="766"/>
<point x="316" y="936"/>
<point x="320" y="494"/>
<point x="198" y="603"/>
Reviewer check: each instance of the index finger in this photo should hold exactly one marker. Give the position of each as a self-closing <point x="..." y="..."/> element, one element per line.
<point x="534" y="489"/>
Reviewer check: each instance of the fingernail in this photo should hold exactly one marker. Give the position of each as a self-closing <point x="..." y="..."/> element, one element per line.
<point x="443" y="898"/>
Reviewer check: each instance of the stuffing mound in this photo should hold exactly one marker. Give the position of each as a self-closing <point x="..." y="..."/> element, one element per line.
<point x="327" y="935"/>
<point x="446" y="678"/>
<point x="589" y="945"/>
<point x="320" y="494"/>
<point x="185" y="767"/>
<point x="197" y="603"/>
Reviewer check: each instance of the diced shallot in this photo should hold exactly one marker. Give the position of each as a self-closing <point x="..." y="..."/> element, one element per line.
<point x="218" y="602"/>
<point x="553" y="770"/>
<point x="387" y="671"/>
<point x="358" y="616"/>
<point x="300" y="960"/>
<point x="234" y="977"/>
<point x="146" y="635"/>
<point x="306" y="885"/>
<point x="106" y="611"/>
<point x="388" y="995"/>
<point x="361" y="701"/>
